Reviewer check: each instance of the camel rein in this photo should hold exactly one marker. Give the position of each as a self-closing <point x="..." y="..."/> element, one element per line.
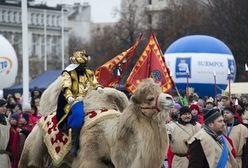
<point x="152" y="107"/>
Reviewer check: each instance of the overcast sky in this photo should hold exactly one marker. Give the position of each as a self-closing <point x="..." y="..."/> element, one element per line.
<point x="101" y="10"/>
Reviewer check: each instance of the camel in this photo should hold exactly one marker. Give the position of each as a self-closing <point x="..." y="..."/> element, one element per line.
<point x="137" y="138"/>
<point x="35" y="153"/>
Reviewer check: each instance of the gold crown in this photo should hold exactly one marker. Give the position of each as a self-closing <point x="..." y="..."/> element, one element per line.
<point x="79" y="57"/>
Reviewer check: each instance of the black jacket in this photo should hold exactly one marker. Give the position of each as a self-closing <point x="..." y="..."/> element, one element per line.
<point x="197" y="158"/>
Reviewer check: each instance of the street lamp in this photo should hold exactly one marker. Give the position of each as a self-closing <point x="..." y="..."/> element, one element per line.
<point x="45" y="40"/>
<point x="62" y="39"/>
<point x="25" y="59"/>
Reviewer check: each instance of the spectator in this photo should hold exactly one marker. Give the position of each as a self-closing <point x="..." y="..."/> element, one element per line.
<point x="209" y="103"/>
<point x="209" y="147"/>
<point x="25" y="125"/>
<point x="14" y="139"/>
<point x="4" y="136"/>
<point x="179" y="134"/>
<point x="223" y="102"/>
<point x="195" y="113"/>
<point x="237" y="132"/>
<point x="33" y="114"/>
<point x="36" y="103"/>
<point x="36" y="93"/>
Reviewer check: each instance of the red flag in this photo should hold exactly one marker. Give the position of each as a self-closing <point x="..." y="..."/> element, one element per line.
<point x="109" y="74"/>
<point x="150" y="64"/>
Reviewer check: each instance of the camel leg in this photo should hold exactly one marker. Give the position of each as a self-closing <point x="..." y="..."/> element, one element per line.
<point x="34" y="150"/>
<point x="93" y="151"/>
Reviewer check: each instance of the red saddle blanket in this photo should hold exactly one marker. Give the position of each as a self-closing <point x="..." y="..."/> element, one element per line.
<point x="59" y="144"/>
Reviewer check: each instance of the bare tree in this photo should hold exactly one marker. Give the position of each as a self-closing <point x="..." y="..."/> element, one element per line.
<point x="179" y="19"/>
<point x="228" y="20"/>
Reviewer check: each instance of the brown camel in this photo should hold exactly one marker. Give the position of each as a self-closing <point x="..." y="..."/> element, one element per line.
<point x="135" y="139"/>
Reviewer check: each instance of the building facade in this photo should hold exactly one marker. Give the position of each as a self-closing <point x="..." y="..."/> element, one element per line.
<point x="39" y="19"/>
<point x="147" y="11"/>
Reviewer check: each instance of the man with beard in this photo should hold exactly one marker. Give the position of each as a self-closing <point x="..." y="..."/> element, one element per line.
<point x="77" y="80"/>
<point x="238" y="133"/>
<point x="179" y="133"/>
<point x="209" y="148"/>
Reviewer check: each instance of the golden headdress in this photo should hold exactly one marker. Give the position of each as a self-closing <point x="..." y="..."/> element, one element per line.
<point x="79" y="57"/>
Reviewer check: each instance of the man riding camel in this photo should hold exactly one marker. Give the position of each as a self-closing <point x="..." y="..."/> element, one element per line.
<point x="77" y="80"/>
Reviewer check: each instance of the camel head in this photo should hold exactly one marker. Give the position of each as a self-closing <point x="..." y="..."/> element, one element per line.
<point x="151" y="100"/>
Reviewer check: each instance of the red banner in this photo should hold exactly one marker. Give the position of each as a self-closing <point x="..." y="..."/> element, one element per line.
<point x="110" y="73"/>
<point x="151" y="64"/>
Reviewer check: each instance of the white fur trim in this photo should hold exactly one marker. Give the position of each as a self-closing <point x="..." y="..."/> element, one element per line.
<point x="71" y="67"/>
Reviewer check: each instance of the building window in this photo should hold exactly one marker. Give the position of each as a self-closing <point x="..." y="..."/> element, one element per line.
<point x="150" y="19"/>
<point x="58" y="21"/>
<point x="47" y="19"/>
<point x="8" y="20"/>
<point x="35" y="43"/>
<point x="37" y="19"/>
<point x="54" y="46"/>
<point x="43" y="46"/>
<point x="32" y="19"/>
<point x="150" y="2"/>
<point x="14" y="17"/>
<point x="20" y="17"/>
<point x="17" y="42"/>
<point x="4" y="16"/>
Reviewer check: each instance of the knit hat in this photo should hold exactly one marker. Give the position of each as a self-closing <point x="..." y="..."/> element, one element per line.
<point x="184" y="109"/>
<point x="14" y="116"/>
<point x="229" y="109"/>
<point x="211" y="115"/>
<point x="25" y="116"/>
<point x="3" y="102"/>
<point x="194" y="107"/>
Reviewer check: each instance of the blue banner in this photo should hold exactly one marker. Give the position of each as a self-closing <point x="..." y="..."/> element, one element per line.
<point x="232" y="68"/>
<point x="183" y="67"/>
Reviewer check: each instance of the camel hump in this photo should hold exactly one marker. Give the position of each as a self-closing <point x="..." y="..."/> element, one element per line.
<point x="48" y="101"/>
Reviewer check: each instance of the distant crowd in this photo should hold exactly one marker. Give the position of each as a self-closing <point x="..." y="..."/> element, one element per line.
<point x="186" y="125"/>
<point x="196" y="130"/>
<point x="21" y="120"/>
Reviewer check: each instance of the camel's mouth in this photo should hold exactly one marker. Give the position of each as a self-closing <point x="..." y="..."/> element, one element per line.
<point x="166" y="101"/>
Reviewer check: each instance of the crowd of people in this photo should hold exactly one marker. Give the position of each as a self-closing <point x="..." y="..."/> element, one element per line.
<point x="205" y="133"/>
<point x="210" y="132"/>
<point x="16" y="122"/>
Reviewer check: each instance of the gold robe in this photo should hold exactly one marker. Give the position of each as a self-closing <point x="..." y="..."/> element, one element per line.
<point x="76" y="86"/>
